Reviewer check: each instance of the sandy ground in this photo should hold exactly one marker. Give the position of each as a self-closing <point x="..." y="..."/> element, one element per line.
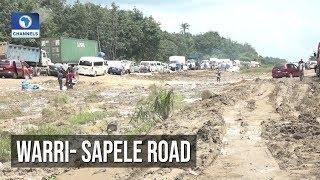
<point x="250" y="127"/>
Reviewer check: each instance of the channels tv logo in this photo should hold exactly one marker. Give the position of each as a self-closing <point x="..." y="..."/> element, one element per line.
<point x="25" y="25"/>
<point x="25" y="21"/>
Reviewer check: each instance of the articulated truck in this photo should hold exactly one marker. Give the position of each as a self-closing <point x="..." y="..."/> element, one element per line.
<point x="53" y="50"/>
<point x="68" y="50"/>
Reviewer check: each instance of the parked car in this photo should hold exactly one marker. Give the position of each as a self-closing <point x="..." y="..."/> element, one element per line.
<point x="128" y="66"/>
<point x="145" y="67"/>
<point x="205" y="64"/>
<point x="118" y="70"/>
<point x="136" y="68"/>
<point x="287" y="70"/>
<point x="91" y="66"/>
<point x="54" y="69"/>
<point x="116" y="67"/>
<point x="15" y="69"/>
<point x="176" y="66"/>
<point x="311" y="64"/>
<point x="191" y="63"/>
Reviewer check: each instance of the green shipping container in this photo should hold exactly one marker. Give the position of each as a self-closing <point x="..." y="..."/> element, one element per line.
<point x="68" y="50"/>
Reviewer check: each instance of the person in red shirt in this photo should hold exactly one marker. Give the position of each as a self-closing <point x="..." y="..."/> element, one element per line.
<point x="69" y="78"/>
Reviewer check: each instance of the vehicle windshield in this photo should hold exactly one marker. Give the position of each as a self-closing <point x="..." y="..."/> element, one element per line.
<point x="98" y="63"/>
<point x="144" y="64"/>
<point x="85" y="63"/>
<point x="279" y="67"/>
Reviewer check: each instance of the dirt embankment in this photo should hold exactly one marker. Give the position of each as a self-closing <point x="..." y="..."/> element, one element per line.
<point x="245" y="129"/>
<point x="293" y="139"/>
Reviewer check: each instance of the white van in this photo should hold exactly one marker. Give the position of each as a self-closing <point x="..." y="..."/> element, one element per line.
<point x="151" y="66"/>
<point x="91" y="66"/>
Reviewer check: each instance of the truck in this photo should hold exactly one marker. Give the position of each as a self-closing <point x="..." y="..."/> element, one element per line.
<point x="317" y="57"/>
<point x="177" y="63"/>
<point x="33" y="56"/>
<point x="68" y="50"/>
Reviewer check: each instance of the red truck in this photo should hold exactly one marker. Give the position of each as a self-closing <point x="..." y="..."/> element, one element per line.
<point x="286" y="70"/>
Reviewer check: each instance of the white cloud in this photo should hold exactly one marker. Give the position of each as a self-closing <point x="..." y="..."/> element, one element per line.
<point x="286" y="28"/>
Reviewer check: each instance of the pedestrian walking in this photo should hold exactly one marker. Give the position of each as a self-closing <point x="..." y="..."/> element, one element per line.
<point x="218" y="75"/>
<point x="69" y="79"/>
<point x="60" y="77"/>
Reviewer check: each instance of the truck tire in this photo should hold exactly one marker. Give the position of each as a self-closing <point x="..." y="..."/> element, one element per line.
<point x="36" y="72"/>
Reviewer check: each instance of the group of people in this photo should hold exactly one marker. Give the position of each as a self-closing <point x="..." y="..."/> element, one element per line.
<point x="69" y="75"/>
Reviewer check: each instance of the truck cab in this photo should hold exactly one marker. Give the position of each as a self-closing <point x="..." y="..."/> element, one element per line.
<point x="45" y="60"/>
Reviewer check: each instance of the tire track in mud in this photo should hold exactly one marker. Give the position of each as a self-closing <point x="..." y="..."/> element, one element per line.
<point x="245" y="153"/>
<point x="294" y="138"/>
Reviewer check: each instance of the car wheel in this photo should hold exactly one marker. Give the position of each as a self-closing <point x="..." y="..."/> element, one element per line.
<point x="95" y="74"/>
<point x="15" y="76"/>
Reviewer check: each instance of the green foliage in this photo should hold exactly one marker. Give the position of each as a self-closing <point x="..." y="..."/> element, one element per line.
<point x="272" y="61"/>
<point x="87" y="116"/>
<point x="61" y="99"/>
<point x="5" y="147"/>
<point x="163" y="103"/>
<point x="127" y="34"/>
<point x="313" y="57"/>
<point x="157" y="106"/>
<point x="52" y="177"/>
<point x="262" y="69"/>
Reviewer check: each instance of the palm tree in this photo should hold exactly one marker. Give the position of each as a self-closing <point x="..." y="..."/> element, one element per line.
<point x="184" y="27"/>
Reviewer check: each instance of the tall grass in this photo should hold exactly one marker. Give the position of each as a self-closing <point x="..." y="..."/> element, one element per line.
<point x="61" y="99"/>
<point x="163" y="103"/>
<point x="87" y="116"/>
<point x="157" y="106"/>
<point x="5" y="147"/>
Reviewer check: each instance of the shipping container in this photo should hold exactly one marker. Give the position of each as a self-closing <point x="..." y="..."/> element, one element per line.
<point x="68" y="50"/>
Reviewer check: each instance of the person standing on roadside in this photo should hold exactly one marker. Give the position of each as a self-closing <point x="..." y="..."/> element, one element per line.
<point x="60" y="77"/>
<point x="69" y="78"/>
<point x="218" y="75"/>
<point x="301" y="69"/>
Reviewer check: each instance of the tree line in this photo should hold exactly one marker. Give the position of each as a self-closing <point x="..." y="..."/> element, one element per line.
<point x="122" y="34"/>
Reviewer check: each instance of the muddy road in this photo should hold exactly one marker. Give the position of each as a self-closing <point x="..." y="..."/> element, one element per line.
<point x="248" y="126"/>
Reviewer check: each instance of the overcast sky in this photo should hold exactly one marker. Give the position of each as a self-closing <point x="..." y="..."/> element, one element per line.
<point x="280" y="28"/>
